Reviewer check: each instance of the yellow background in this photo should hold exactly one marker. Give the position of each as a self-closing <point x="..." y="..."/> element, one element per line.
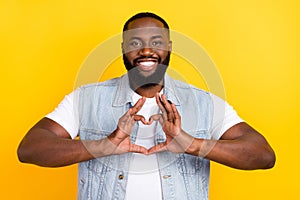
<point x="254" y="44"/>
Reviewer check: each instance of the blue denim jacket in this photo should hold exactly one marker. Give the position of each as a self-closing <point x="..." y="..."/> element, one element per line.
<point x="183" y="176"/>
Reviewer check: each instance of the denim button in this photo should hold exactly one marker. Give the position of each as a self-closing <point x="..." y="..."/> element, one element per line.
<point x="121" y="176"/>
<point x="166" y="176"/>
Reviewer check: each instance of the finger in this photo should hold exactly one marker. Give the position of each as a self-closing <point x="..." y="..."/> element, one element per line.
<point x="127" y="114"/>
<point x="139" y="118"/>
<point x="156" y="117"/>
<point x="137" y="149"/>
<point x="177" y="118"/>
<point x="158" y="148"/>
<point x="137" y="106"/>
<point x="167" y="105"/>
<point x="161" y="107"/>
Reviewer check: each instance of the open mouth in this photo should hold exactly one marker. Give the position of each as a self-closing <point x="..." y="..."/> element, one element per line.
<point x="146" y="64"/>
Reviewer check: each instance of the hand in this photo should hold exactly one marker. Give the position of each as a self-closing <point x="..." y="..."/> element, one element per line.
<point x="120" y="138"/>
<point x="177" y="140"/>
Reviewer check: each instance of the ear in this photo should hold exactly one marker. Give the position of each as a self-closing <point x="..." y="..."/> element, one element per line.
<point x="122" y="47"/>
<point x="170" y="46"/>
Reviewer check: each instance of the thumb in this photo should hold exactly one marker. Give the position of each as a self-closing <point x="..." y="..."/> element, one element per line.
<point x="158" y="148"/>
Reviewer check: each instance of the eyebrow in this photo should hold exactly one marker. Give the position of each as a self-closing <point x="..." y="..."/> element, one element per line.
<point x="138" y="38"/>
<point x="156" y="36"/>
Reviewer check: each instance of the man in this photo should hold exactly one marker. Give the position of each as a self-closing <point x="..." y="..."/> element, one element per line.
<point x="144" y="135"/>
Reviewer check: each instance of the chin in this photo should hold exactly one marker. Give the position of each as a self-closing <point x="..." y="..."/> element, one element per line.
<point x="147" y="74"/>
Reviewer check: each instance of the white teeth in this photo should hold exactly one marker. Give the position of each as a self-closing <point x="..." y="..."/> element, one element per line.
<point x="147" y="63"/>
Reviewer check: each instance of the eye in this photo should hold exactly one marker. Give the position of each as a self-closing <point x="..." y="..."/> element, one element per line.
<point x="157" y="43"/>
<point x="135" y="44"/>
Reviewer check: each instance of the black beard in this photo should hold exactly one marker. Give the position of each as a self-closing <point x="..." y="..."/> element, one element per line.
<point x="137" y="80"/>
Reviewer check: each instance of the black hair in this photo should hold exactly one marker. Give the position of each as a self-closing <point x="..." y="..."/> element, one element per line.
<point x="143" y="15"/>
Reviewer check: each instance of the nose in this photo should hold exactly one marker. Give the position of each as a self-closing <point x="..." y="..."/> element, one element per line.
<point x="146" y="51"/>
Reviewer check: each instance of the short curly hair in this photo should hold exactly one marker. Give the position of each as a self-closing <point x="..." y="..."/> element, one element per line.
<point x="143" y="15"/>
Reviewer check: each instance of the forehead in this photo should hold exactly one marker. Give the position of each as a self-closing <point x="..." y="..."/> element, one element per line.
<point x="145" y="27"/>
<point x="145" y="22"/>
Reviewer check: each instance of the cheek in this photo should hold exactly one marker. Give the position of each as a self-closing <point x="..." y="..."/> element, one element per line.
<point x="162" y="54"/>
<point x="130" y="56"/>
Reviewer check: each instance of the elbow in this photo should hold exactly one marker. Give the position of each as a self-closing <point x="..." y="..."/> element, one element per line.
<point x="23" y="154"/>
<point x="264" y="159"/>
<point x="269" y="159"/>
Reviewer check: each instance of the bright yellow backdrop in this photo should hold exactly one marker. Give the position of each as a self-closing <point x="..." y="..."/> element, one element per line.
<point x="254" y="43"/>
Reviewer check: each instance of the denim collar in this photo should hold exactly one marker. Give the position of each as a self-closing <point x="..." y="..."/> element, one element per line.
<point x="124" y="92"/>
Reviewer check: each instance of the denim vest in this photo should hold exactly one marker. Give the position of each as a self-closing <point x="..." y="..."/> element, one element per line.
<point x="183" y="176"/>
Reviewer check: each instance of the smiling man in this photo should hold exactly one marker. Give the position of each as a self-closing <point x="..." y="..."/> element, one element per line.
<point x="144" y="135"/>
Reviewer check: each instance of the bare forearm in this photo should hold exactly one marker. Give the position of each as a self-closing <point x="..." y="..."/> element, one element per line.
<point x="243" y="153"/>
<point x="49" y="144"/>
<point x="43" y="148"/>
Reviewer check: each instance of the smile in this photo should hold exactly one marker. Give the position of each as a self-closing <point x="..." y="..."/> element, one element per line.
<point x="147" y="65"/>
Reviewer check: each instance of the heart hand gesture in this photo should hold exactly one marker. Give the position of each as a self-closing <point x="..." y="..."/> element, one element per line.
<point x="177" y="140"/>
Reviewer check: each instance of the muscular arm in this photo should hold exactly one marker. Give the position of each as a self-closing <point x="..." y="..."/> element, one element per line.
<point x="49" y="144"/>
<point x="240" y="147"/>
